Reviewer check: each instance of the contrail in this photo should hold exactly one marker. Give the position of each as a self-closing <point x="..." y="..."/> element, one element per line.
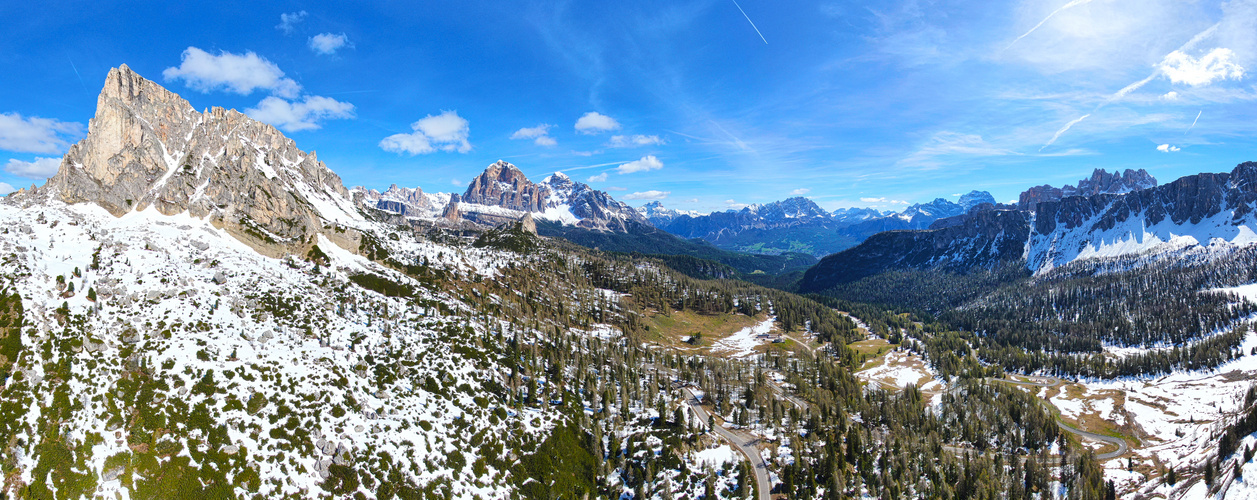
<point x="1132" y="87"/>
<point x="1063" y="129"/>
<point x="1072" y="3"/>
<point x="76" y="73"/>
<point x="748" y="19"/>
<point x="1189" y="129"/>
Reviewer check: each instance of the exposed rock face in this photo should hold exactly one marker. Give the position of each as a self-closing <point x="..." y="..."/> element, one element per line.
<point x="1206" y="207"/>
<point x="975" y="198"/>
<point x="596" y="209"/>
<point x="399" y="200"/>
<point x="504" y="185"/>
<point x="147" y="147"/>
<point x="528" y="224"/>
<point x="502" y="193"/>
<point x="451" y="212"/>
<point x="1031" y="198"/>
<point x="1100" y="182"/>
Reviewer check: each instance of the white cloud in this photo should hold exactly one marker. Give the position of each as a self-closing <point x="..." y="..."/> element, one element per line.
<point x="239" y="73"/>
<point x="801" y="191"/>
<point x="691" y="200"/>
<point x="445" y="132"/>
<point x="617" y="188"/>
<point x="594" y="122"/>
<point x="6" y="189"/>
<point x="40" y="169"/>
<point x="735" y="205"/>
<point x="648" y="195"/>
<point x="289" y="20"/>
<point x="538" y="134"/>
<point x="1170" y="96"/>
<point x="626" y="141"/>
<point x="328" y="43"/>
<point x="883" y="200"/>
<point x="597" y="178"/>
<point x="645" y="164"/>
<point x="1218" y="64"/>
<point x="1166" y="148"/>
<point x="35" y="134"/>
<point x="292" y="116"/>
<point x="456" y="182"/>
<point x="531" y="132"/>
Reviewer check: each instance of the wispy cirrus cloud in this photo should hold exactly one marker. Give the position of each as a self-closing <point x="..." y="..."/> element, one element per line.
<point x="628" y="141"/>
<point x="648" y="195"/>
<point x="539" y="135"/>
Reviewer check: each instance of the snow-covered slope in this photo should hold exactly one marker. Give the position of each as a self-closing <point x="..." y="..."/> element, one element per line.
<point x="147" y="147"/>
<point x="1211" y="211"/>
<point x="272" y="370"/>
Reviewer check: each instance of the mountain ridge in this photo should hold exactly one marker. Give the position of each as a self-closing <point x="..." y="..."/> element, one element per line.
<point x="147" y="147"/>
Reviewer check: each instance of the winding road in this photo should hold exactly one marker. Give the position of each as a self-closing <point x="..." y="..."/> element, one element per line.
<point x="1122" y="447"/>
<point x="742" y="442"/>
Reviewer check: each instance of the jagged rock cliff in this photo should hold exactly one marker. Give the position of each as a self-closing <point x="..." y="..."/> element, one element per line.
<point x="148" y="148"/>
<point x="1100" y="182"/>
<point x="1204" y="209"/>
<point x="504" y="185"/>
<point x="502" y="193"/>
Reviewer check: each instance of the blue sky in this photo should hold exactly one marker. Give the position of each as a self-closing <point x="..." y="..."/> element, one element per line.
<point x="708" y="104"/>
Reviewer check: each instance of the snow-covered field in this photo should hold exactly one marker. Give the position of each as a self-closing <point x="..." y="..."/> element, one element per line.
<point x="899" y="368"/>
<point x="1178" y="418"/>
<point x="742" y="343"/>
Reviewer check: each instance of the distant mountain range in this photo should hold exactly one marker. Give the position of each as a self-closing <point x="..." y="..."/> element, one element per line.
<point x="1198" y="214"/>
<point x="800" y="225"/>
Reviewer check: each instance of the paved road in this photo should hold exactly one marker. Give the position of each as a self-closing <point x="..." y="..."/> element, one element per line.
<point x="1122" y="447"/>
<point x="742" y="442"/>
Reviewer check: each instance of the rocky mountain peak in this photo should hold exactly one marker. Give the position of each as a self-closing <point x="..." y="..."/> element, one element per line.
<point x="975" y="198"/>
<point x="1100" y="182"/>
<point x="504" y="185"/>
<point x="147" y="147"/>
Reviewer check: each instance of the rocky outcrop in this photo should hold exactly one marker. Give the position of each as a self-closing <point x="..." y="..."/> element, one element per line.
<point x="148" y="148"/>
<point x="1100" y="182"/>
<point x="451" y="212"/>
<point x="502" y="193"/>
<point x="504" y="185"/>
<point x="398" y="200"/>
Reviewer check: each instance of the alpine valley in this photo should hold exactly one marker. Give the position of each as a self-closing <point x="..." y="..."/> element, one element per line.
<point x="193" y="306"/>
